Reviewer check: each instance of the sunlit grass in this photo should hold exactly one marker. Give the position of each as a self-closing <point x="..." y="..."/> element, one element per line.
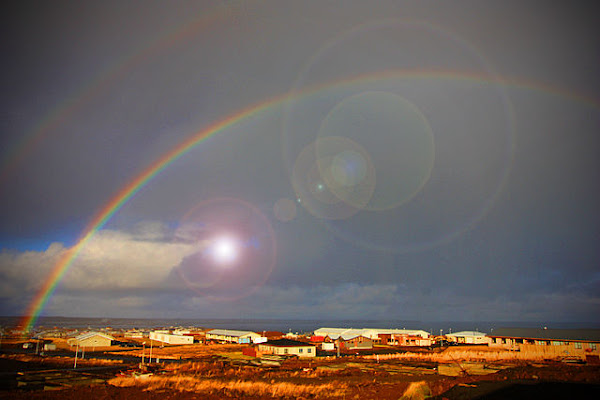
<point x="236" y="387"/>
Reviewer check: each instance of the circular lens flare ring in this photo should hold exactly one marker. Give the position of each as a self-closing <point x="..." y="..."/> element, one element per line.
<point x="236" y="249"/>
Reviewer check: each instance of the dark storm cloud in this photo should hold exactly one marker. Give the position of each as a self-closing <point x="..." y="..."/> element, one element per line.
<point x="505" y="226"/>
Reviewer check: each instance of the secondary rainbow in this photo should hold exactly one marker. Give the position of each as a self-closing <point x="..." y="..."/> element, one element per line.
<point x="96" y="86"/>
<point x="124" y="195"/>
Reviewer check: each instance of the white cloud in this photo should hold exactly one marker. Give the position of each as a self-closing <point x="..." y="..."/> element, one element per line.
<point x="118" y="260"/>
<point x="111" y="260"/>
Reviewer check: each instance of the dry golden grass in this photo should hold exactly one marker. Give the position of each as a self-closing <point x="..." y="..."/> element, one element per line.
<point x="184" y="351"/>
<point x="416" y="391"/>
<point x="59" y="360"/>
<point x="237" y="387"/>
<point x="475" y="353"/>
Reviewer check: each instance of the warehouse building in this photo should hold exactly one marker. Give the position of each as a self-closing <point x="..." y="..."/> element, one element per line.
<point x="552" y="343"/>
<point x="91" y="339"/>
<point x="232" y="336"/>
<point x="406" y="337"/>
<point x="171" y="338"/>
<point x="468" y="337"/>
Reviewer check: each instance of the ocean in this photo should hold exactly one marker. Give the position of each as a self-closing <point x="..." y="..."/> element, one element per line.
<point x="288" y="325"/>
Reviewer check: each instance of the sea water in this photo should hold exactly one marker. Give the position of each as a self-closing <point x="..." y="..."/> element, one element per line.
<point x="288" y="325"/>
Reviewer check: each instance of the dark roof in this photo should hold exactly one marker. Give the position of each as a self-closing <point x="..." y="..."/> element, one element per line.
<point x="271" y="333"/>
<point x="287" y="343"/>
<point x="592" y="335"/>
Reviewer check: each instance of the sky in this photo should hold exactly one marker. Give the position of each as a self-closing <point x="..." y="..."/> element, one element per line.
<point x="344" y="160"/>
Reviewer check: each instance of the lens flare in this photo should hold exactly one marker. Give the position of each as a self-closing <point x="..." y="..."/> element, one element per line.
<point x="225" y="250"/>
<point x="236" y="249"/>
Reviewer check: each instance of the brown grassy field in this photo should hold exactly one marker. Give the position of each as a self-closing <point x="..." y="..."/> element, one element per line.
<point x="216" y="372"/>
<point x="183" y="352"/>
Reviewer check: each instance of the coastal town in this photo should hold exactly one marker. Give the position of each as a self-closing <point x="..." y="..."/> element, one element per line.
<point x="329" y="362"/>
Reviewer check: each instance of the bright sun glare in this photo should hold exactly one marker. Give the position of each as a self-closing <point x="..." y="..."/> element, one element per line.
<point x="225" y="250"/>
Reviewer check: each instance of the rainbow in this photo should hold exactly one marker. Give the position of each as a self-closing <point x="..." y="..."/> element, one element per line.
<point x="126" y="193"/>
<point x="119" y="200"/>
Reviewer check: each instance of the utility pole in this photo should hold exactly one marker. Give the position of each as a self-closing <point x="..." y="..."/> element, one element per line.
<point x="76" y="350"/>
<point x="150" y="362"/>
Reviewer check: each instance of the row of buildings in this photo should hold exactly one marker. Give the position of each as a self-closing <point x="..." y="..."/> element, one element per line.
<point x="549" y="342"/>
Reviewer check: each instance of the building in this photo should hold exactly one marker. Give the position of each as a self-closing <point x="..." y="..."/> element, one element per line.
<point x="91" y="339"/>
<point x="354" y="342"/>
<point x="232" y="336"/>
<point x="272" y="335"/>
<point x="171" y="338"/>
<point x="134" y="334"/>
<point x="551" y="343"/>
<point x="328" y="346"/>
<point x="410" y="340"/>
<point x="468" y="337"/>
<point x="49" y="347"/>
<point x="288" y="347"/>
<point x="378" y="336"/>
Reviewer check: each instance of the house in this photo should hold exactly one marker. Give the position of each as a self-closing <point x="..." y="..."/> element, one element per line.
<point x="354" y="342"/>
<point x="91" y="339"/>
<point x="49" y="347"/>
<point x="134" y="334"/>
<point x="411" y="340"/>
<point x="171" y="338"/>
<point x="288" y="347"/>
<point x="328" y="346"/>
<point x="232" y="336"/>
<point x="468" y="337"/>
<point x="550" y="343"/>
<point x="317" y="339"/>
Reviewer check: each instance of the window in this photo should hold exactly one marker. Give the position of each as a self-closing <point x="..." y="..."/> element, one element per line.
<point x="300" y="350"/>
<point x="593" y="346"/>
<point x="577" y="345"/>
<point x="285" y="351"/>
<point x="308" y="350"/>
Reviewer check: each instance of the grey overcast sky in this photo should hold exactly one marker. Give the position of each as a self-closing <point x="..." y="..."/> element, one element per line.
<point x="407" y="160"/>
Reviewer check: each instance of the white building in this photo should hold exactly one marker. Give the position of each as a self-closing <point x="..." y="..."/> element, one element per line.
<point x="134" y="334"/>
<point x="232" y="336"/>
<point x="170" y="338"/>
<point x="371" y="333"/>
<point x="468" y="337"/>
<point x="91" y="339"/>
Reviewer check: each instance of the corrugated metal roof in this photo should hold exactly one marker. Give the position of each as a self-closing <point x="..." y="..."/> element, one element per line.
<point x="467" y="333"/>
<point x="335" y="333"/>
<point x="350" y="336"/>
<point x="88" y="335"/>
<point x="592" y="335"/>
<point x="231" y="332"/>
